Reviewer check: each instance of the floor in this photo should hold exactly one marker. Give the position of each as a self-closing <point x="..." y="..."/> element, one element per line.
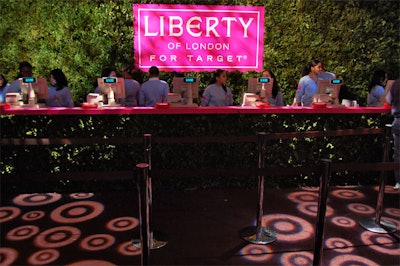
<point x="202" y="226"/>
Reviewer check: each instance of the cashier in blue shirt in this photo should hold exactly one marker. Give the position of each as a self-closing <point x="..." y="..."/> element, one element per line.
<point x="154" y="90"/>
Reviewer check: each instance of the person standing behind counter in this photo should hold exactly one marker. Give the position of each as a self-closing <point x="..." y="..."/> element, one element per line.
<point x="25" y="71"/>
<point x="276" y="99"/>
<point x="217" y="93"/>
<point x="4" y="85"/>
<point x="132" y="87"/>
<point x="308" y="83"/>
<point x="59" y="94"/>
<point x="376" y="90"/>
<point x="154" y="90"/>
<point x="393" y="98"/>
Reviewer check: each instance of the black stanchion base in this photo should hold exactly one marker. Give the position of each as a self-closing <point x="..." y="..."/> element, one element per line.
<point x="384" y="227"/>
<point x="250" y="235"/>
<point x="158" y="240"/>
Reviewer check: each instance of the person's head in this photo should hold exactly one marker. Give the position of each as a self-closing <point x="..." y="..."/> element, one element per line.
<point x="219" y="77"/>
<point x="3" y="81"/>
<point x="58" y="79"/>
<point x="25" y="70"/>
<point x="379" y="77"/>
<point x="314" y="67"/>
<point x="267" y="73"/>
<point x="127" y="70"/>
<point x="154" y="72"/>
<point x="109" y="72"/>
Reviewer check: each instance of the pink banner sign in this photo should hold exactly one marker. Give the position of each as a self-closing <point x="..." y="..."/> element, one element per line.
<point x="198" y="37"/>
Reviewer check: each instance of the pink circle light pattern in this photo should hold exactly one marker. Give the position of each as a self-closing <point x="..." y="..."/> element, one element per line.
<point x="97" y="242"/>
<point x="311" y="208"/>
<point x="36" y="199"/>
<point x="76" y="212"/>
<point x="81" y="195"/>
<point x="257" y="253"/>
<point x="33" y="215"/>
<point x="339" y="244"/>
<point x="303" y="196"/>
<point x="393" y="212"/>
<point x="388" y="190"/>
<point x="347" y="194"/>
<point x="91" y="263"/>
<point x="361" y="208"/>
<point x="297" y="258"/>
<point x="128" y="249"/>
<point x="288" y="227"/>
<point x="57" y="237"/>
<point x="381" y="243"/>
<point x="22" y="232"/>
<point x="122" y="224"/>
<point x="8" y="213"/>
<point x="8" y="256"/>
<point x="345" y="260"/>
<point x="343" y="221"/>
<point x="43" y="257"/>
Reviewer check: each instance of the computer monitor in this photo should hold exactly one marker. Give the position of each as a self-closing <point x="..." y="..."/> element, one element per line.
<point x="261" y="86"/>
<point x="105" y="84"/>
<point x="186" y="89"/>
<point x="328" y="91"/>
<point x="39" y="86"/>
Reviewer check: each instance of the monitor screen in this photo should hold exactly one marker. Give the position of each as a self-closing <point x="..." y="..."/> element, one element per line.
<point x="39" y="85"/>
<point x="256" y="85"/>
<point x="116" y="84"/>
<point x="328" y="90"/>
<point x="187" y="87"/>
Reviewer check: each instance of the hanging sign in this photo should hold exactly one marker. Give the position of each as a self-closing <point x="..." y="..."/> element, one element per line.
<point x="198" y="37"/>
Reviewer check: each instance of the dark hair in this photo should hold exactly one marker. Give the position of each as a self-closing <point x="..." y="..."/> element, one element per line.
<point x="153" y="71"/>
<point x="275" y="85"/>
<point x="61" y="80"/>
<point x="216" y="74"/>
<point x="5" y="81"/>
<point x="307" y="68"/>
<point x="377" y="78"/>
<point x="107" y="71"/>
<point x="23" y="65"/>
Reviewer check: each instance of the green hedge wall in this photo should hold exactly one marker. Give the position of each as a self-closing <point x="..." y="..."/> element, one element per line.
<point x="193" y="156"/>
<point x="82" y="36"/>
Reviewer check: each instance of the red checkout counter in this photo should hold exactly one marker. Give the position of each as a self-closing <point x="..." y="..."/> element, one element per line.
<point x="194" y="110"/>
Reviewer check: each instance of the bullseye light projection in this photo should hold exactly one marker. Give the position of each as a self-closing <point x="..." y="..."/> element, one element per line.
<point x="52" y="229"/>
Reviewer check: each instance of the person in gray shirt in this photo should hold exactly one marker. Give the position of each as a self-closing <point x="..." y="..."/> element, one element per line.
<point x="25" y="71"/>
<point x="217" y="93"/>
<point x="154" y="90"/>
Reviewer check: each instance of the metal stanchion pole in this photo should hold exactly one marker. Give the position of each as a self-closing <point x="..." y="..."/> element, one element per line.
<point x="323" y="195"/>
<point x="144" y="214"/>
<point x="376" y="224"/>
<point x="158" y="239"/>
<point x="259" y="234"/>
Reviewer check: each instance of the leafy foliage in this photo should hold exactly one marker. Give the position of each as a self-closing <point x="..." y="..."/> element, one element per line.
<point x="80" y="36"/>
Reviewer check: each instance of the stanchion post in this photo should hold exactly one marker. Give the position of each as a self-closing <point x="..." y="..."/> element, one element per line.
<point x="385" y="159"/>
<point x="158" y="239"/>
<point x="376" y="224"/>
<point x="259" y="234"/>
<point x="323" y="195"/>
<point x="144" y="214"/>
